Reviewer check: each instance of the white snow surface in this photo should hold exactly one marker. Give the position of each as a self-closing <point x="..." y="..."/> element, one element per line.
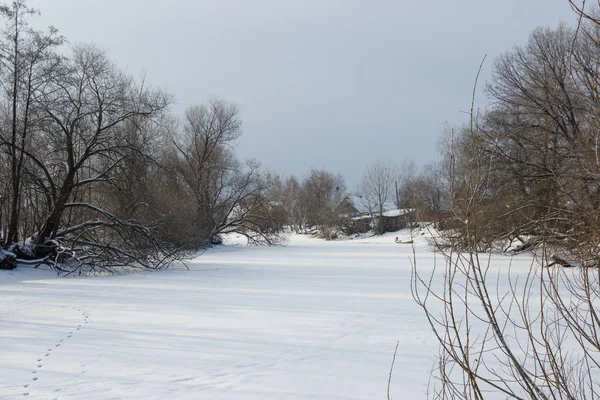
<point x="311" y="320"/>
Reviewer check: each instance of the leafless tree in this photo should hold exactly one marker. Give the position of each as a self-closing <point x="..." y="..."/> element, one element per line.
<point x="426" y="193"/>
<point x="28" y="60"/>
<point x="82" y="111"/>
<point x="533" y="334"/>
<point x="98" y="175"/>
<point x="290" y="201"/>
<point x="228" y="196"/>
<point x="322" y="192"/>
<point x="378" y="187"/>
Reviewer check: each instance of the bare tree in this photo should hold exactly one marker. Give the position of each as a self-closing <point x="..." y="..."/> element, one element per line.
<point x="98" y="176"/>
<point x="426" y="193"/>
<point x="290" y="201"/>
<point x="28" y="61"/>
<point x="534" y="134"/>
<point x="243" y="206"/>
<point x="227" y="195"/>
<point x="322" y="193"/>
<point x="532" y="335"/>
<point x="378" y="188"/>
<point x="82" y="111"/>
<point x="205" y="153"/>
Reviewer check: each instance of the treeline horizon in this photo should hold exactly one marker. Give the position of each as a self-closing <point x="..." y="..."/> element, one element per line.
<point x="523" y="175"/>
<point x="100" y="174"/>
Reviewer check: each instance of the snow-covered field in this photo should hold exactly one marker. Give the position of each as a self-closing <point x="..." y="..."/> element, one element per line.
<point x="312" y="320"/>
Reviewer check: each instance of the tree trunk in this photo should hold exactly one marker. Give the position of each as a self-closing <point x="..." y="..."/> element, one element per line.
<point x="13" y="225"/>
<point x="52" y="223"/>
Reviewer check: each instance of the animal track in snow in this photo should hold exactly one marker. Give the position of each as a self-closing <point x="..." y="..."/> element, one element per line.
<point x="40" y="361"/>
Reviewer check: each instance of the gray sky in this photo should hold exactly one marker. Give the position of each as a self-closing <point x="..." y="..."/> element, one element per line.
<point x="336" y="84"/>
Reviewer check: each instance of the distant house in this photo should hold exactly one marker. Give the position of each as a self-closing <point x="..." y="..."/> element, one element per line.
<point x="397" y="219"/>
<point x="353" y="206"/>
<point x="360" y="217"/>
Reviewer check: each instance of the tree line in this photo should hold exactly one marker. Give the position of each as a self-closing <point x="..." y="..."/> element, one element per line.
<point x="97" y="172"/>
<point x="529" y="161"/>
<point x="100" y="174"/>
<point x="524" y="170"/>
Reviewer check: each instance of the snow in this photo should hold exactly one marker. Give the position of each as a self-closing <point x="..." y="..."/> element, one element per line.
<point x="6" y="253"/>
<point x="390" y="214"/>
<point x="363" y="207"/>
<point x="396" y="212"/>
<point x="361" y="217"/>
<point x="312" y="320"/>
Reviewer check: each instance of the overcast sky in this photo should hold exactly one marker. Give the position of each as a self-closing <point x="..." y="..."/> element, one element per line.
<point x="333" y="84"/>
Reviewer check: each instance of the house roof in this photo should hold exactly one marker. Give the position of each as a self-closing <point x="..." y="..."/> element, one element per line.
<point x="390" y="214"/>
<point x="362" y="204"/>
<point x="358" y="202"/>
<point x="397" y="212"/>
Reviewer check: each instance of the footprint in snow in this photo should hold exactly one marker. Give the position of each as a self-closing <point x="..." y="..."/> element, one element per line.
<point x="86" y="319"/>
